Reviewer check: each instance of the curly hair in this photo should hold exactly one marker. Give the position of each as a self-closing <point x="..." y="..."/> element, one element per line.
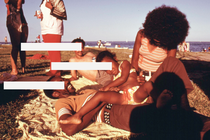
<point x="103" y="54"/>
<point x="79" y="40"/>
<point x="166" y="27"/>
<point x="49" y="93"/>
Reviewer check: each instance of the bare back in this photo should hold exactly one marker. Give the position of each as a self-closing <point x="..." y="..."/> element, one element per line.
<point x="131" y="81"/>
<point x="89" y="74"/>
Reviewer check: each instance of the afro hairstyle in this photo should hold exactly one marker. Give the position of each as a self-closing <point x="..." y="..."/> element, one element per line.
<point x="166" y="27"/>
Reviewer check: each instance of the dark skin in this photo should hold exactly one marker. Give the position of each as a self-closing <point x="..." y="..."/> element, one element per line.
<point x="135" y="56"/>
<point x="71" y="129"/>
<point x="125" y="81"/>
<point x="48" y="5"/>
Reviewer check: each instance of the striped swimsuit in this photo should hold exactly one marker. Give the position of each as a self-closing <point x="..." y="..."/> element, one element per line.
<point x="150" y="61"/>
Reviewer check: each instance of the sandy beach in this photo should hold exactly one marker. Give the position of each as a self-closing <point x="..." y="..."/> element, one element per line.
<point x="197" y="65"/>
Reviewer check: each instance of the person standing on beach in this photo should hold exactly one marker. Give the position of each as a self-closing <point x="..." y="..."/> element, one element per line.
<point x="53" y="13"/>
<point x="163" y="29"/>
<point x="99" y="76"/>
<point x="5" y="39"/>
<point x="18" y="31"/>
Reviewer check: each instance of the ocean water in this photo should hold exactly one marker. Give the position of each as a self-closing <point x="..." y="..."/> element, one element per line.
<point x="194" y="46"/>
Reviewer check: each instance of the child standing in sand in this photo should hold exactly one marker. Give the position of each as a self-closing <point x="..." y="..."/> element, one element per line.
<point x="124" y="78"/>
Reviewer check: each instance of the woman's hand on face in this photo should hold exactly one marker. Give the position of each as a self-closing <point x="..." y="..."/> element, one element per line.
<point x="49" y="5"/>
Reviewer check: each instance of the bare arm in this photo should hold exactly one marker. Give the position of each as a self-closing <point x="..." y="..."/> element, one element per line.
<point x="74" y="75"/>
<point x="58" y="10"/>
<point x="137" y="45"/>
<point x="19" y="4"/>
<point x="125" y="67"/>
<point x="71" y="129"/>
<point x="73" y="72"/>
<point x="143" y="92"/>
<point x="49" y="5"/>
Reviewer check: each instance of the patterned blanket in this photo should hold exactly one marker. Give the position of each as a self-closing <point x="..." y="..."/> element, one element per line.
<point x="37" y="120"/>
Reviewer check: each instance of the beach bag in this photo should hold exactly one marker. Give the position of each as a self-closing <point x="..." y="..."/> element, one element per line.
<point x="15" y="18"/>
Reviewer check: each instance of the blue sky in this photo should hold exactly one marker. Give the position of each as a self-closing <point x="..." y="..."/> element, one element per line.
<point x="113" y="20"/>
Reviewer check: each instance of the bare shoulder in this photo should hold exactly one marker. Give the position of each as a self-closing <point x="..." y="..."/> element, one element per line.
<point x="74" y="59"/>
<point x="125" y="63"/>
<point x="90" y="54"/>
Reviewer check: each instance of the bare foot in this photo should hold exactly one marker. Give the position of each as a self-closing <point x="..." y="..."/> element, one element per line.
<point x="14" y="73"/>
<point x="71" y="120"/>
<point x="23" y="70"/>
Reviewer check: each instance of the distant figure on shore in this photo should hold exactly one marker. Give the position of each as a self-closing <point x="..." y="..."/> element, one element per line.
<point x="184" y="47"/>
<point x="204" y="50"/>
<point x="5" y="39"/>
<point x="100" y="44"/>
<point x="38" y="39"/>
<point x="18" y="31"/>
<point x="99" y="76"/>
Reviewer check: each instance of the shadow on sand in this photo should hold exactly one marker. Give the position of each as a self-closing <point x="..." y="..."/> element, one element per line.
<point x="199" y="73"/>
<point x="11" y="95"/>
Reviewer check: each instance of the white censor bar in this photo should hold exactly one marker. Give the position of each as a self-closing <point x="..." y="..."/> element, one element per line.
<point x="81" y="65"/>
<point x="22" y="85"/>
<point x="51" y="46"/>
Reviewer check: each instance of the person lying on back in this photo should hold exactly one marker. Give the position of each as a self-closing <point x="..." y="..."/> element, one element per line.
<point x="98" y="76"/>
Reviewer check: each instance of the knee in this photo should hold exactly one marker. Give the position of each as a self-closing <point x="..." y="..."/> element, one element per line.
<point x="100" y="95"/>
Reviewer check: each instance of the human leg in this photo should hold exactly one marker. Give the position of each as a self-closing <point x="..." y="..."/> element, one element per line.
<point x="173" y="65"/>
<point x="15" y="40"/>
<point x="71" y="129"/>
<point x="55" y="56"/>
<point x="24" y="37"/>
<point x="101" y="96"/>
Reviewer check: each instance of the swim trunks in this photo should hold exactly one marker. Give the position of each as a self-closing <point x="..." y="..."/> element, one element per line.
<point x="103" y="78"/>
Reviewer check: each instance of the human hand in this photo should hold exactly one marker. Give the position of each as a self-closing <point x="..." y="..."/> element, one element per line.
<point x="104" y="88"/>
<point x="116" y="89"/>
<point x="38" y="14"/>
<point x="49" y="5"/>
<point x="141" y="78"/>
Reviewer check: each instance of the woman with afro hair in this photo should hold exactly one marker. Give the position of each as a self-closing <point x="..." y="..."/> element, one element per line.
<point x="163" y="30"/>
